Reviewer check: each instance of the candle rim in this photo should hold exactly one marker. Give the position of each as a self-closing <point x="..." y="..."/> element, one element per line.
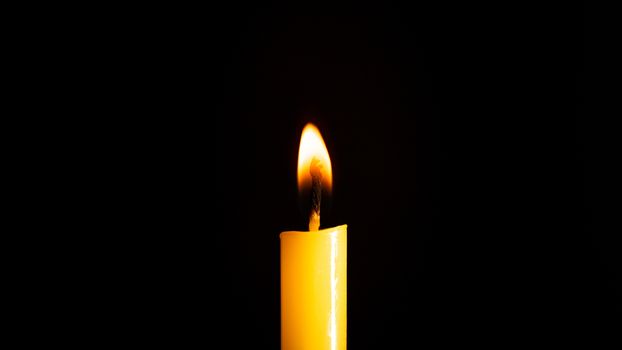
<point x="324" y="231"/>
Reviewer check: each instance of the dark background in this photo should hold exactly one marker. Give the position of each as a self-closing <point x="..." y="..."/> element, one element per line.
<point x="465" y="162"/>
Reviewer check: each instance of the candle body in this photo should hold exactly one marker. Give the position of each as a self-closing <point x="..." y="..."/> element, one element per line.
<point x="313" y="289"/>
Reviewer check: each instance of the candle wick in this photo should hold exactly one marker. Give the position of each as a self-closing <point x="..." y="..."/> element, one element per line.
<point x="315" y="169"/>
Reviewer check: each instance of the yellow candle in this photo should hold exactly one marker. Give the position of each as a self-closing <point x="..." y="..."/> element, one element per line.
<point x="313" y="289"/>
<point x="314" y="263"/>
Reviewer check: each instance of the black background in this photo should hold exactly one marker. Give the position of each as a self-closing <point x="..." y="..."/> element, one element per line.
<point x="464" y="159"/>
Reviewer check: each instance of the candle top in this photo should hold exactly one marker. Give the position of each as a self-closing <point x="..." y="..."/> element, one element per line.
<point x="325" y="231"/>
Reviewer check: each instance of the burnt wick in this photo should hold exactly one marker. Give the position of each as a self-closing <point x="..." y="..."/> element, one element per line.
<point x="315" y="169"/>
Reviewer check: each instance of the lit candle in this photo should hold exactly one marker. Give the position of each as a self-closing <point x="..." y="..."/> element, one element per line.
<point x="313" y="263"/>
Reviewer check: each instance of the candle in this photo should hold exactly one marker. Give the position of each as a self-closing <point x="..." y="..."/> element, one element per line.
<point x="313" y="263"/>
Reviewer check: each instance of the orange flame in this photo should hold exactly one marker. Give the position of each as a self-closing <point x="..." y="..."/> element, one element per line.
<point x="313" y="150"/>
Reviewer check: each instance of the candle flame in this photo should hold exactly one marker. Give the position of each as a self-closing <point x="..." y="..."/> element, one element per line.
<point x="313" y="157"/>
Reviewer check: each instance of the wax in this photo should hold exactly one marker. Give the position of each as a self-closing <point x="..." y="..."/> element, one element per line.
<point x="313" y="289"/>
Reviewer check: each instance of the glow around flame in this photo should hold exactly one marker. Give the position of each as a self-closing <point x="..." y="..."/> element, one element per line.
<point x="312" y="146"/>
